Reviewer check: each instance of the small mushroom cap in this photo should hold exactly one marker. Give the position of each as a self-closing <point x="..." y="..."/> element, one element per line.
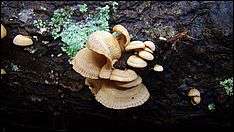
<point x="104" y="43"/>
<point x="3" y="31"/>
<point x="123" y="38"/>
<point x="196" y="100"/>
<point x="193" y="93"/>
<point x="135" y="45"/>
<point x="21" y="40"/>
<point x="129" y="84"/>
<point x="123" y="75"/>
<point x="136" y="62"/>
<point x="114" y="97"/>
<point x="148" y="50"/>
<point x="158" y="68"/>
<point x="146" y="55"/>
<point x="150" y="45"/>
<point x="88" y="63"/>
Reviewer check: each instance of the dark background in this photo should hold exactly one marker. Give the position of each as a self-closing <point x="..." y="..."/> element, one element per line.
<point x="45" y="93"/>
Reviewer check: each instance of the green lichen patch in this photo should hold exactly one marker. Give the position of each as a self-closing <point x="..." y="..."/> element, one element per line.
<point x="227" y="84"/>
<point x="74" y="34"/>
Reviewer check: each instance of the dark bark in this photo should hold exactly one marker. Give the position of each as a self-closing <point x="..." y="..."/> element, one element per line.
<point x="46" y="93"/>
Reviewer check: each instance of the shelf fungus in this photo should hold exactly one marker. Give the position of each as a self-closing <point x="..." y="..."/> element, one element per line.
<point x="113" y="88"/>
<point x="150" y="45"/>
<point x="135" y="45"/>
<point x="195" y="96"/>
<point x="136" y="62"/>
<point x="3" y="31"/>
<point x="21" y="40"/>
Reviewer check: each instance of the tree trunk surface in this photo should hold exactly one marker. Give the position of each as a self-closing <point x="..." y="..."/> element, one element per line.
<point x="40" y="90"/>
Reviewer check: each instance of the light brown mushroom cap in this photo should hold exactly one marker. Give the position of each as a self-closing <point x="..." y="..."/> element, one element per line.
<point x="148" y="50"/>
<point x="106" y="70"/>
<point x="135" y="45"/>
<point x="158" y="68"/>
<point x="112" y="97"/>
<point x="21" y="40"/>
<point x="194" y="93"/>
<point x="94" y="84"/>
<point x="150" y="45"/>
<point x="129" y="84"/>
<point x="123" y="38"/>
<point x="196" y="100"/>
<point x="88" y="63"/>
<point x="3" y="31"/>
<point x="105" y="44"/>
<point x="145" y="55"/>
<point x="123" y="75"/>
<point x="136" y="62"/>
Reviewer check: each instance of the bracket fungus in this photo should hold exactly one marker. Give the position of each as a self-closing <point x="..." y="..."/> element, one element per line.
<point x="3" y="31"/>
<point x="136" y="62"/>
<point x="113" y="88"/>
<point x="21" y="40"/>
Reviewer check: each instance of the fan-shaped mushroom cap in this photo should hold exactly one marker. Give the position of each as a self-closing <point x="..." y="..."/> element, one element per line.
<point x="136" y="62"/>
<point x="146" y="55"/>
<point x="114" y="97"/>
<point x="106" y="70"/>
<point x="88" y="63"/>
<point x="123" y="75"/>
<point x="193" y="93"/>
<point x="3" y="31"/>
<point x="123" y="37"/>
<point x="196" y="100"/>
<point x="21" y="40"/>
<point x="158" y="68"/>
<point x="94" y="84"/>
<point x="129" y="84"/>
<point x="104" y="43"/>
<point x="135" y="45"/>
<point x="150" y="45"/>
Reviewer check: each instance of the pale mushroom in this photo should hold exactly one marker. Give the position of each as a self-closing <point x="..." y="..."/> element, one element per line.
<point x="105" y="43"/>
<point x="136" y="62"/>
<point x="158" y="68"/>
<point x="123" y="38"/>
<point x="135" y="45"/>
<point x="21" y="40"/>
<point x="88" y="63"/>
<point x="194" y="93"/>
<point x="3" y="31"/>
<point x="148" y="50"/>
<point x="123" y="75"/>
<point x="150" y="45"/>
<point x="145" y="55"/>
<point x="196" y="100"/>
<point x="129" y="84"/>
<point x="111" y="96"/>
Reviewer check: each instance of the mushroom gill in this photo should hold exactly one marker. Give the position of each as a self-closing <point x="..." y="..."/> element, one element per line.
<point x="105" y="43"/>
<point x="115" y="97"/>
<point x="88" y="63"/>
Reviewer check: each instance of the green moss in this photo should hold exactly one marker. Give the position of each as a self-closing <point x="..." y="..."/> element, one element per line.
<point x="83" y="8"/>
<point x="227" y="84"/>
<point x="75" y="34"/>
<point x="211" y="107"/>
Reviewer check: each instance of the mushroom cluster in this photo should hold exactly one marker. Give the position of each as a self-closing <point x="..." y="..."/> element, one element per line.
<point x="144" y="52"/>
<point x="113" y="88"/>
